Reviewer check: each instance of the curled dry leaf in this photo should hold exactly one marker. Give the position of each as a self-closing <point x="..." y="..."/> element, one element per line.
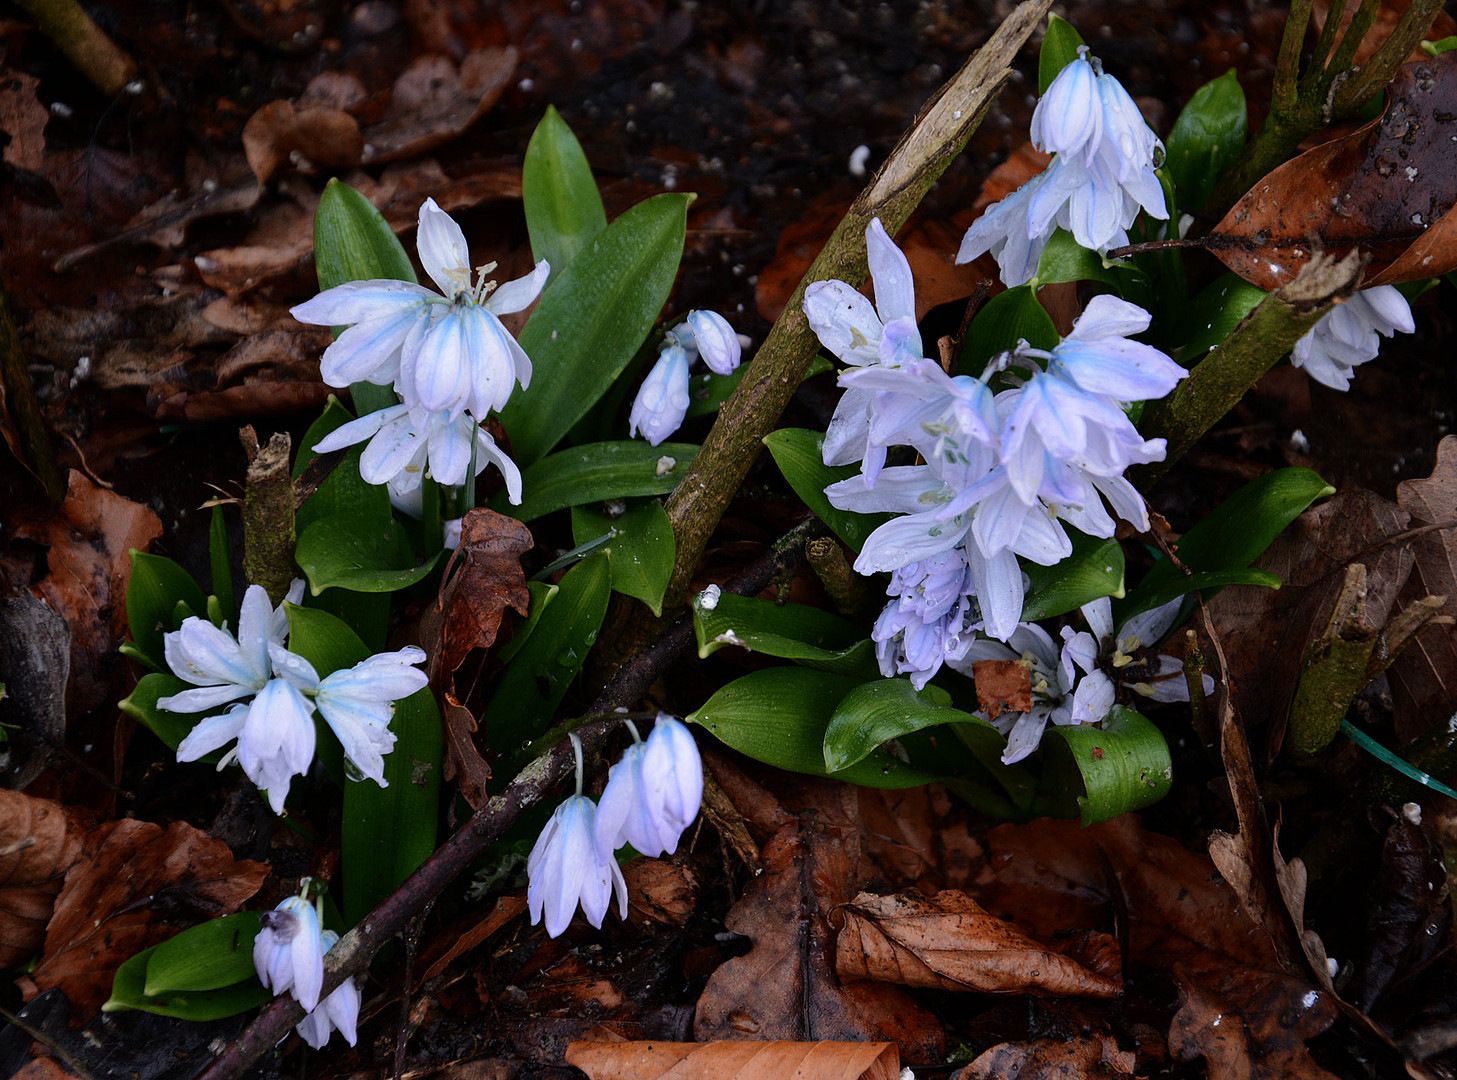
<point x="433" y="102"/>
<point x="279" y="134"/>
<point x="1002" y="686"/>
<point x="135" y="886"/>
<point x="949" y="942"/>
<point x="1052" y="1059"/>
<point x="23" y="118"/>
<point x="1251" y="1025"/>
<point x="660" y="892"/>
<point x="1424" y="677"/>
<point x="736" y="1060"/>
<point x="89" y="540"/>
<point x="39" y="841"/>
<point x="1386" y="189"/>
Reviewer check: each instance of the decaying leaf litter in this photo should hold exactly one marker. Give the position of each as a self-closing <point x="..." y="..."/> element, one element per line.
<point x="152" y="245"/>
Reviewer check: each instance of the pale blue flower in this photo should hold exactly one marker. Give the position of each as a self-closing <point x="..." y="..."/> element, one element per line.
<point x="1128" y="650"/>
<point x="653" y="793"/>
<point x="444" y="353"/>
<point x="564" y="869"/>
<point x="932" y="617"/>
<point x="662" y="400"/>
<point x="1068" y="119"/>
<point x="708" y="334"/>
<point x="288" y="952"/>
<point x="405" y="444"/>
<point x="339" y="1011"/>
<point x="1347" y="335"/>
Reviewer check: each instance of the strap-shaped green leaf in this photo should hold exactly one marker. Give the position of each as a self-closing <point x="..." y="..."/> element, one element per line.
<point x="1006" y="319"/>
<point x="639" y="548"/>
<point x="1216" y="311"/>
<point x="797" y="453"/>
<point x="208" y="956"/>
<point x="153" y="593"/>
<point x="141" y="706"/>
<point x="597" y="472"/>
<point x="808" y="635"/>
<point x="591" y="320"/>
<point x="346" y="552"/>
<point x="1097" y="773"/>
<point x="128" y="992"/>
<point x="1094" y="569"/>
<point x="1207" y="137"/>
<point x="563" y="207"/>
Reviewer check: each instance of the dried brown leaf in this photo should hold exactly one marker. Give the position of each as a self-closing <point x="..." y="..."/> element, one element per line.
<point x="1381" y="189"/>
<point x="1387" y="17"/>
<point x="433" y="102"/>
<point x="736" y="1060"/>
<point x="1002" y="686"/>
<point x="279" y="134"/>
<point x="39" y="841"/>
<point x="949" y="942"/>
<point x="1424" y="677"/>
<point x="23" y="118"/>
<point x="489" y="581"/>
<point x="1095" y="1058"/>
<point x="35" y="666"/>
<point x="660" y="892"/>
<point x="785" y="986"/>
<point x="1251" y="1025"/>
<point x="136" y="885"/>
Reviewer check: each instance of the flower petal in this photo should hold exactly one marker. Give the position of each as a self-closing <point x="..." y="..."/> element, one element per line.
<point x="443" y="250"/>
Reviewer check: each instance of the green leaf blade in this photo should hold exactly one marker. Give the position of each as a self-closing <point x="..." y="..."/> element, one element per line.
<point x="808" y="635"/>
<point x="346" y="552"/>
<point x="597" y="472"/>
<point x="1099" y="773"/>
<point x="563" y="207"/>
<point x="1207" y="137"/>
<point x="640" y="551"/>
<point x="208" y="956"/>
<point x="797" y="453"/>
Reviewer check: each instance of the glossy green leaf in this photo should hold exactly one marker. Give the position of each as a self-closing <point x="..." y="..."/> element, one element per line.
<point x="1207" y="581"/>
<point x="1064" y="259"/>
<point x="563" y="207"/>
<point x="1207" y="137"/>
<point x="597" y="472"/>
<point x="386" y="831"/>
<point x="797" y="453"/>
<point x="1215" y="312"/>
<point x="1059" y="49"/>
<point x="1005" y="320"/>
<point x="1094" y="569"/>
<point x="156" y="586"/>
<point x="128" y="992"/>
<point x="220" y="556"/>
<point x="779" y="716"/>
<point x="1099" y="773"/>
<point x="208" y="956"/>
<point x="876" y="712"/>
<point x="640" y="551"/>
<point x="536" y="680"/>
<point x="1234" y="533"/>
<point x="346" y="552"/>
<point x="591" y="320"/>
<point x="542" y="594"/>
<point x="141" y="706"/>
<point x="808" y="635"/>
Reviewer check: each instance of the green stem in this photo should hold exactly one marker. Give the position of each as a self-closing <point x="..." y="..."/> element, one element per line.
<point x="934" y="140"/>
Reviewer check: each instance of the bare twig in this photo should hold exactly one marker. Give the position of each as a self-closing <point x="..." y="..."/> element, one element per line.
<point x="85" y="44"/>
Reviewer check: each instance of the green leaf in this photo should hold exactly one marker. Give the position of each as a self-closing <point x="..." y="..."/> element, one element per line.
<point x="797" y="453"/>
<point x="813" y="637"/>
<point x="597" y="472"/>
<point x="141" y="706"/>
<point x="1215" y="312"/>
<point x="542" y="594"/>
<point x="1210" y="581"/>
<point x="536" y="680"/>
<point x="128" y="992"/>
<point x="876" y="712"/>
<point x="346" y="552"/>
<point x="591" y="320"/>
<point x="1234" y="533"/>
<point x="1207" y="137"/>
<point x="156" y="587"/>
<point x="640" y="551"/>
<point x="1006" y="319"/>
<point x="1059" y="49"/>
<point x="324" y="640"/>
<point x="208" y="956"/>
<point x="563" y="207"/>
<point x="352" y="242"/>
<point x="1064" y="259"/>
<point x="779" y="716"/>
<point x="220" y="555"/>
<point x="1094" y="569"/>
<point x="1100" y="773"/>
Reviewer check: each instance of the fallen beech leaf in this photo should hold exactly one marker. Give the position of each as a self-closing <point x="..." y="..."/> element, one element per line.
<point x="785" y="986"/>
<point x="1002" y="686"/>
<point x="279" y="134"/>
<point x="89" y="540"/>
<point x="1052" y="1059"/>
<point x="490" y="580"/>
<point x="1251" y="1025"/>
<point x="660" y="892"/>
<point x="463" y="761"/>
<point x="1424" y="677"/>
<point x="458" y="940"/>
<point x="40" y="840"/>
<point x="135" y="886"/>
<point x="433" y="102"/>
<point x="1385" y="189"/>
<point x="949" y="942"/>
<point x="23" y="118"/>
<point x="917" y="838"/>
<point x="736" y="1060"/>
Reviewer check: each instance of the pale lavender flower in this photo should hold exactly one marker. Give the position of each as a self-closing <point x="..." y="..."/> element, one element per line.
<point x="288" y="952"/>
<point x="337" y="1012"/>
<point x="662" y="400"/>
<point x="708" y="334"/>
<point x="1347" y="335"/>
<point x="932" y="617"/>
<point x="444" y="353"/>
<point x="1128" y="650"/>
<point x="564" y="868"/>
<point x="652" y="793"/>
<point x="225" y="667"/>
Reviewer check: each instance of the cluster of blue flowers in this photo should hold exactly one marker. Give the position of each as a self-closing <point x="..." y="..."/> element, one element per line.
<point x="288" y="955"/>
<point x="653" y="793"/>
<point x="662" y="400"/>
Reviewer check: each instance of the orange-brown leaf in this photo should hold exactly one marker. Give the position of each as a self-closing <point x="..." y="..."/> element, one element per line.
<point x="39" y="840"/>
<point x="949" y="942"/>
<point x="1052" y="1059"/>
<point x="736" y="1060"/>
<point x="490" y="580"/>
<point x="1002" y="686"/>
<point x="1251" y="1025"/>
<point x="136" y="886"/>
